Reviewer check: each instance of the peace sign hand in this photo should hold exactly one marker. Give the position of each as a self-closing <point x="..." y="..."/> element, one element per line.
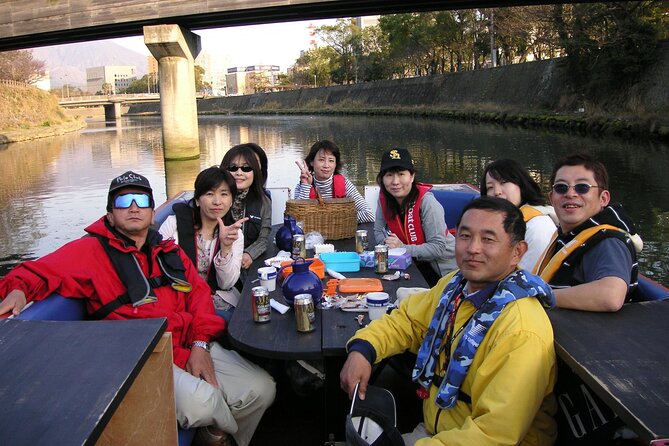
<point x="228" y="234"/>
<point x="305" y="176"/>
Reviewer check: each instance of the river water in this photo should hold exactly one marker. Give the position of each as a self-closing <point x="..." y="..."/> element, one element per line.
<point x="51" y="189"/>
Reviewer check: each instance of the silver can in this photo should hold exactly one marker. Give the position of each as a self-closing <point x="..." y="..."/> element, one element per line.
<point x="381" y="259"/>
<point x="361" y="242"/>
<point x="299" y="246"/>
<point x="305" y="316"/>
<point x="260" y="304"/>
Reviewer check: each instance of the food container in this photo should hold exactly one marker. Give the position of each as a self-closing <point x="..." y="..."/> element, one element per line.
<point x="341" y="262"/>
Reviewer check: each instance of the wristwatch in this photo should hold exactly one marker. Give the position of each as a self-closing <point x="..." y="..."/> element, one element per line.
<point x="201" y="344"/>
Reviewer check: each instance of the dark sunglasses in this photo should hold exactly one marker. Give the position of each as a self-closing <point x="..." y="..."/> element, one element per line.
<point x="234" y="168"/>
<point x="580" y="188"/>
<point x="125" y="201"/>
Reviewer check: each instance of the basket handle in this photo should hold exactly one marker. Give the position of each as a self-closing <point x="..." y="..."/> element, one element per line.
<point x="319" y="195"/>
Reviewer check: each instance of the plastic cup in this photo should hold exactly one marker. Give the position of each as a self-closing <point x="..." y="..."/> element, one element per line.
<point x="267" y="276"/>
<point x="377" y="304"/>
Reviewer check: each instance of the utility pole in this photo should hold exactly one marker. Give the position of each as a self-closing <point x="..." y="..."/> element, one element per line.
<point x="493" y="51"/>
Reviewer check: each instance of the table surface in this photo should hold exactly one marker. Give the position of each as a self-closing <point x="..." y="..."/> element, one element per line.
<point x="624" y="358"/>
<point x="280" y="339"/>
<point x="63" y="380"/>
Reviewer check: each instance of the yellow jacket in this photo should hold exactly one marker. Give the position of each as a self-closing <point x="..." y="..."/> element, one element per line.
<point x="510" y="381"/>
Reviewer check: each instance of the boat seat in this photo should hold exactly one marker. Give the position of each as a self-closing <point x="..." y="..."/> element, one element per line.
<point x="58" y="308"/>
<point x="650" y="290"/>
<point x="453" y="203"/>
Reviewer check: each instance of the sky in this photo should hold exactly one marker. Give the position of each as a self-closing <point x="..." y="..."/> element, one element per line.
<point x="275" y="44"/>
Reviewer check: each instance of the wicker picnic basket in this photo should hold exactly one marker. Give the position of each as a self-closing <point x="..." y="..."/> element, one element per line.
<point x="334" y="218"/>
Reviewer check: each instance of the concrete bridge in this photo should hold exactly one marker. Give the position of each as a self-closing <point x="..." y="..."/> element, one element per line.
<point x="166" y="26"/>
<point x="112" y="103"/>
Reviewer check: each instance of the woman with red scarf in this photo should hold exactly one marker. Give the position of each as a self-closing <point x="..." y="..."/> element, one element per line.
<point x="409" y="216"/>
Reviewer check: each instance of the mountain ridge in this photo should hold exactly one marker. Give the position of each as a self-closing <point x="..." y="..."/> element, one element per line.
<point x="67" y="63"/>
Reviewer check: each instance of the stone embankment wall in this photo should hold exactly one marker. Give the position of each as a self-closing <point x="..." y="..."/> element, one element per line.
<point x="513" y="93"/>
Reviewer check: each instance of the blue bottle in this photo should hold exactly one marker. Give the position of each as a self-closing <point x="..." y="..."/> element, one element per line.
<point x="284" y="236"/>
<point x="302" y="281"/>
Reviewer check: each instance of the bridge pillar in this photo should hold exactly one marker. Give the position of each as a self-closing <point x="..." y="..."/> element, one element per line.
<point x="175" y="48"/>
<point x="112" y="111"/>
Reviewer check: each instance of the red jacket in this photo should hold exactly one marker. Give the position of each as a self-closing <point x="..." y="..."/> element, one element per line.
<point x="82" y="269"/>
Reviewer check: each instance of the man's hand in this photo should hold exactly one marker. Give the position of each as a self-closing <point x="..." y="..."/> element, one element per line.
<point x="201" y="365"/>
<point x="356" y="370"/>
<point x="14" y="302"/>
<point x="305" y="176"/>
<point x="228" y="234"/>
<point x="246" y="261"/>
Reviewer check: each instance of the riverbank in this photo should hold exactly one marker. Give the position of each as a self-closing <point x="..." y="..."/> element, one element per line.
<point x="533" y="94"/>
<point x="29" y="113"/>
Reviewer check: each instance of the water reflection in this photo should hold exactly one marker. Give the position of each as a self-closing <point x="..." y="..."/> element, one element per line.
<point x="51" y="189"/>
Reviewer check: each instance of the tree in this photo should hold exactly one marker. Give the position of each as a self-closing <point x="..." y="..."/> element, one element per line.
<point x="20" y="66"/>
<point x="314" y="68"/>
<point x="258" y="83"/>
<point x="344" y="39"/>
<point x="107" y="88"/>
<point x="608" y="44"/>
<point x="200" y="84"/>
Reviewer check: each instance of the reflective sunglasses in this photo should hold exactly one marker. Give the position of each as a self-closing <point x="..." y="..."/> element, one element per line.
<point x="580" y="188"/>
<point x="124" y="201"/>
<point x="234" y="168"/>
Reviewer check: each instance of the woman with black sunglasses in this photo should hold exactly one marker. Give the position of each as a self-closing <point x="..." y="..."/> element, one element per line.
<point x="507" y="179"/>
<point x="251" y="201"/>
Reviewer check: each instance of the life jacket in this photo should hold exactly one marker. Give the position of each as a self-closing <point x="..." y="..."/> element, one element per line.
<point x="139" y="287"/>
<point x="187" y="240"/>
<point x="489" y="303"/>
<point x="409" y="231"/>
<point x="338" y="187"/>
<point x="565" y="252"/>
<point x="529" y="212"/>
<point x="251" y="228"/>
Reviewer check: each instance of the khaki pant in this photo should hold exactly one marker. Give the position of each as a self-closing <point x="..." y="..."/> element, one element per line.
<point x="245" y="392"/>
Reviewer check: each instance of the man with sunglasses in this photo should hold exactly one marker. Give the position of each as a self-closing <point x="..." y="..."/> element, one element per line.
<point x="592" y="263"/>
<point x="126" y="271"/>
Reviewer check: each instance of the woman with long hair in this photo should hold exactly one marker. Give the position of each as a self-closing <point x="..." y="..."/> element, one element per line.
<point x="507" y="179"/>
<point x="409" y="216"/>
<point x="251" y="202"/>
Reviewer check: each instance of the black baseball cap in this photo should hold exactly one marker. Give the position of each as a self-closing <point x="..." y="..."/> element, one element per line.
<point x="373" y="421"/>
<point x="128" y="179"/>
<point x="398" y="158"/>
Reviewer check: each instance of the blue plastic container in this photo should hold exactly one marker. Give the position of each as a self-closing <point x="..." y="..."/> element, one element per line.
<point x="341" y="261"/>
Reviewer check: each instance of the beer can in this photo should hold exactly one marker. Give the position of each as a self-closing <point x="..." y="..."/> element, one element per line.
<point x="381" y="259"/>
<point x="299" y="246"/>
<point x="361" y="242"/>
<point x="305" y="315"/>
<point x="260" y="304"/>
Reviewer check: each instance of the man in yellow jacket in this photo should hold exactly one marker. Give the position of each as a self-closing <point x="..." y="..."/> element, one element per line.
<point x="485" y="358"/>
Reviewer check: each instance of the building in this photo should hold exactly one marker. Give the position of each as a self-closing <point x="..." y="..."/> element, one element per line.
<point x="119" y="77"/>
<point x="252" y="79"/>
<point x="364" y="22"/>
<point x="214" y="72"/>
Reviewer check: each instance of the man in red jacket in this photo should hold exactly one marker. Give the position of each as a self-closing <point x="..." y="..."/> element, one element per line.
<point x="126" y="271"/>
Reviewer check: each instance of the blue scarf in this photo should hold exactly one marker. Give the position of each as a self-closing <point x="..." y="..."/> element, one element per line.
<point x="489" y="303"/>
